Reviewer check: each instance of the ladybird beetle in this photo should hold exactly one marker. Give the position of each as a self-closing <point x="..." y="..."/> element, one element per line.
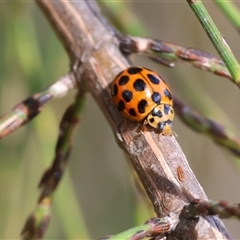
<point x="141" y="94"/>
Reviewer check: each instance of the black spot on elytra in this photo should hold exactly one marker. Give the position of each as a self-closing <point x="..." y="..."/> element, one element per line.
<point x="134" y="70"/>
<point x="121" y="105"/>
<point x="139" y="85"/>
<point x="156" y="97"/>
<point x="151" y="120"/>
<point x="142" y="105"/>
<point x="167" y="94"/>
<point x="127" y="95"/>
<point x="132" y="112"/>
<point x="157" y="113"/>
<point x="114" y="90"/>
<point x="123" y="80"/>
<point x="153" y="78"/>
<point x="166" y="109"/>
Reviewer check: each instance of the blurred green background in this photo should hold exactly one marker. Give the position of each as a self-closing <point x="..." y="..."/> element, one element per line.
<point x="98" y="185"/>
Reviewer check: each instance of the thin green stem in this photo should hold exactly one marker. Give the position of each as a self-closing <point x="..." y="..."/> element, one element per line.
<point x="217" y="39"/>
<point x="231" y="12"/>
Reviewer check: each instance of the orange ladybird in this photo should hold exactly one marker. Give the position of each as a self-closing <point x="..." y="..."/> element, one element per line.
<point x="141" y="94"/>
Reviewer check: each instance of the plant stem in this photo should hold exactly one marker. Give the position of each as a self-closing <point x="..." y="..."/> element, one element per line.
<point x="217" y="39"/>
<point x="231" y="12"/>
